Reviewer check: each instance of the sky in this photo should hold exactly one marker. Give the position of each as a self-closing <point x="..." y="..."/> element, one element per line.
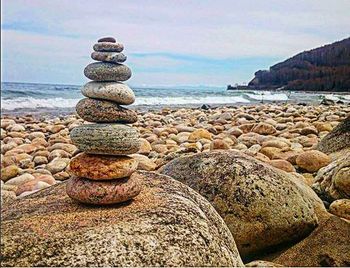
<point x="192" y="42"/>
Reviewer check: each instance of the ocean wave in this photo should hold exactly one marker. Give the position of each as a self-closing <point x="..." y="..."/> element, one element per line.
<point x="267" y="96"/>
<point x="190" y="100"/>
<point x="32" y="103"/>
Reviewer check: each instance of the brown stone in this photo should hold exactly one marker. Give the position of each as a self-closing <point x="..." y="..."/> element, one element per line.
<point x="167" y="224"/>
<point x="104" y="192"/>
<point x="341" y="208"/>
<point x="102" y="167"/>
<point x="312" y="160"/>
<point x="264" y="129"/>
<point x="282" y="164"/>
<point x="327" y="246"/>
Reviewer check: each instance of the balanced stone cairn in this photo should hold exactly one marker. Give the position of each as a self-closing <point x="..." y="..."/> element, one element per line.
<point x="103" y="173"/>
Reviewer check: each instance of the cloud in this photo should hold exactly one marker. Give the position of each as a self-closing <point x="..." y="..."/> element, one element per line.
<point x="175" y="36"/>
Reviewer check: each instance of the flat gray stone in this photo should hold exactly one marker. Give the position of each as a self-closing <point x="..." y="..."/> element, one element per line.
<point x="105" y="71"/>
<point x="113" y="57"/>
<point x="114" y="91"/>
<point x="108" y="47"/>
<point x="111" y="139"/>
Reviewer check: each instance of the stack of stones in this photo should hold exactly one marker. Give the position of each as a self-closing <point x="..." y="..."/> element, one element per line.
<point x="103" y="173"/>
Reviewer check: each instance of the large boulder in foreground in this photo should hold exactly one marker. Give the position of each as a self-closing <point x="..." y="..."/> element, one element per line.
<point x="262" y="206"/>
<point x="167" y="224"/>
<point x="337" y="142"/>
<point x="327" y="246"/>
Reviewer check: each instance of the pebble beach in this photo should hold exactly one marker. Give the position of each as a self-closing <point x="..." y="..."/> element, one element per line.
<point x="35" y="151"/>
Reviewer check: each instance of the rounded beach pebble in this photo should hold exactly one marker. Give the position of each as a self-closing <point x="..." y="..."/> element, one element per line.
<point x="102" y="167"/>
<point x="114" y="91"/>
<point x="108" y="56"/>
<point x="107" y="39"/>
<point x="110" y="139"/>
<point x="103" y="111"/>
<point x="105" y="71"/>
<point x="108" y="47"/>
<point x="103" y="192"/>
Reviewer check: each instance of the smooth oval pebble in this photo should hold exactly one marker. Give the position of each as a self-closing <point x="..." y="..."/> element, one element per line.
<point x="108" y="47"/>
<point x="103" y="192"/>
<point x="107" y="39"/>
<point x="103" y="111"/>
<point x="110" y="139"/>
<point x="114" y="91"/>
<point x="106" y="71"/>
<point x="108" y="56"/>
<point x="102" y="167"/>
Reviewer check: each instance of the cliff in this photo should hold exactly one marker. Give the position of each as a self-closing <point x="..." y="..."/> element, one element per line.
<point x="326" y="68"/>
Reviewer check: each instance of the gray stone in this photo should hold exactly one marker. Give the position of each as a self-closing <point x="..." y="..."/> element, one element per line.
<point x="337" y="140"/>
<point x="108" y="47"/>
<point x="108" y="57"/>
<point x="105" y="71"/>
<point x="114" y="91"/>
<point x="112" y="139"/>
<point x="167" y="224"/>
<point x="262" y="206"/>
<point x="103" y="111"/>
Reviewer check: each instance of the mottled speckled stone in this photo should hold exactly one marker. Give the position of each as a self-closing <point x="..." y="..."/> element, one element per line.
<point x="167" y="224"/>
<point x="108" y="57"/>
<point x="103" y="192"/>
<point x="103" y="111"/>
<point x="256" y="192"/>
<point x="105" y="71"/>
<point x="102" y="167"/>
<point x="110" y="139"/>
<point x="108" y="47"/>
<point x="114" y="91"/>
<point x="107" y="39"/>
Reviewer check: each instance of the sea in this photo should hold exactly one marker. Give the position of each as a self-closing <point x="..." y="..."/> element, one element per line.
<point x="24" y="98"/>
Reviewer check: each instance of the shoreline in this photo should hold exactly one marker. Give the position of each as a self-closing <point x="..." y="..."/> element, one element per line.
<point x="53" y="112"/>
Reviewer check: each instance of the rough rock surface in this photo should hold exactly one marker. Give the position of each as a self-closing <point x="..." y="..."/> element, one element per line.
<point x="328" y="245"/>
<point x="114" y="91"/>
<point x="262" y="264"/>
<point x="102" y="167"/>
<point x="251" y="197"/>
<point x="341" y="208"/>
<point x="108" y="47"/>
<point x="104" y="192"/>
<point x="167" y="224"/>
<point x="333" y="181"/>
<point x="108" y="57"/>
<point x="110" y="139"/>
<point x="337" y="140"/>
<point x="103" y="111"/>
<point x="105" y="71"/>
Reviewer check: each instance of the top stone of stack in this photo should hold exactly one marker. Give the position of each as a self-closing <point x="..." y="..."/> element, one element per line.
<point x="109" y="68"/>
<point x="107" y="39"/>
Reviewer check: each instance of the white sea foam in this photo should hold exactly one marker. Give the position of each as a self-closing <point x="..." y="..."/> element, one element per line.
<point x="190" y="100"/>
<point x="32" y="103"/>
<point x="268" y="96"/>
